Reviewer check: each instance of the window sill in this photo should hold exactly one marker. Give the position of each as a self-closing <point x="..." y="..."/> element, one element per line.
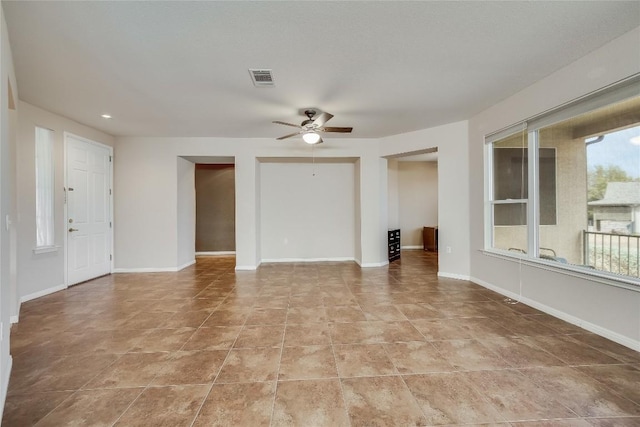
<point x="45" y="249"/>
<point x="569" y="270"/>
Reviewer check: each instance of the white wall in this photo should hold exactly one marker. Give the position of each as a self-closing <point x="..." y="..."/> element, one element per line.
<point x="357" y="209"/>
<point x="145" y="212"/>
<point x="40" y="274"/>
<point x="393" y="203"/>
<point x="307" y="211"/>
<point x="605" y="309"/>
<point x="373" y="210"/>
<point x="417" y="200"/>
<point x="146" y="195"/>
<point x="451" y="140"/>
<point x="8" y="211"/>
<point x="186" y="215"/>
<point x="247" y="212"/>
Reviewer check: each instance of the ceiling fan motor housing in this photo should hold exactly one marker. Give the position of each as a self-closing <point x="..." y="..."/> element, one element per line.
<point x="310" y="114"/>
<point x="312" y="125"/>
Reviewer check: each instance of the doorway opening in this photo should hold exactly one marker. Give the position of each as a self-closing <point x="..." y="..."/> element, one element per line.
<point x="413" y="200"/>
<point x="215" y="209"/>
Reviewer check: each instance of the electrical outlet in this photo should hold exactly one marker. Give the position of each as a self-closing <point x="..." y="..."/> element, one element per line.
<point x="448" y="249"/>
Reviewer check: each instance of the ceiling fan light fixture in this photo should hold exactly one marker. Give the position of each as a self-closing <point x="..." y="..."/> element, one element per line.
<point x="311" y="137"/>
<point x="311" y="128"/>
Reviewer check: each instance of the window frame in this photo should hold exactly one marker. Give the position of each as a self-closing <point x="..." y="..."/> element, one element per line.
<point x="491" y="202"/>
<point x="617" y="92"/>
<point x="48" y="223"/>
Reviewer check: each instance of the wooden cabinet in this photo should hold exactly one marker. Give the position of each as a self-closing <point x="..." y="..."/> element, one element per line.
<point x="430" y="238"/>
<point x="394" y="244"/>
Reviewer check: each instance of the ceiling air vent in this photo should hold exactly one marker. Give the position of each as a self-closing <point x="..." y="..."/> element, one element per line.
<point x="262" y="77"/>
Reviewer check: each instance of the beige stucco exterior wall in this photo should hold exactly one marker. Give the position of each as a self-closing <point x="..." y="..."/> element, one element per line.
<point x="565" y="238"/>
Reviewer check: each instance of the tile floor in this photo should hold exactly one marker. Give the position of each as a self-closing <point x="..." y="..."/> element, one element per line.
<point x="308" y="345"/>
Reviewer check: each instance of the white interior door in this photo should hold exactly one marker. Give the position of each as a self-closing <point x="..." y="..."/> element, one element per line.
<point x="88" y="224"/>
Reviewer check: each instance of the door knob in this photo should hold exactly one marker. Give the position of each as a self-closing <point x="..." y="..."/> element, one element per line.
<point x="71" y="230"/>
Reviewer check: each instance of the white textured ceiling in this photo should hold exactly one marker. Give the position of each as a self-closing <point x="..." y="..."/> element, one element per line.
<point x="180" y="68"/>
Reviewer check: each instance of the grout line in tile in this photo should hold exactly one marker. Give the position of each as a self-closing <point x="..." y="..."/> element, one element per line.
<point x="130" y="405"/>
<point x="58" y="405"/>
<point x="206" y="396"/>
<point x="151" y="381"/>
<point x="335" y="361"/>
<point x="275" y="390"/>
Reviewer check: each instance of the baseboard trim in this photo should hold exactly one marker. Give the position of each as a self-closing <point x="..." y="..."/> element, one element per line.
<point x="186" y="264"/>
<point x="247" y="267"/>
<point x="5" y="384"/>
<point x="336" y="259"/>
<point x="411" y="247"/>
<point x="216" y="253"/>
<point x="145" y="270"/>
<point x="16" y="317"/>
<point x="453" y="276"/>
<point x="372" y="264"/>
<point x="599" y="330"/>
<point x="154" y="269"/>
<point x="42" y="293"/>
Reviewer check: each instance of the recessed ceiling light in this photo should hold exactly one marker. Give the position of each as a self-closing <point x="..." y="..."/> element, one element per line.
<point x="635" y="140"/>
<point x="106" y="116"/>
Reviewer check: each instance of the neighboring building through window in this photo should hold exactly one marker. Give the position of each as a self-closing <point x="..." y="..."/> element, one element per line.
<point x="565" y="186"/>
<point x="44" y="188"/>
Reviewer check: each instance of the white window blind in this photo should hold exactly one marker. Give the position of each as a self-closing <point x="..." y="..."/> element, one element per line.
<point x="628" y="88"/>
<point x="503" y="133"/>
<point x="44" y="188"/>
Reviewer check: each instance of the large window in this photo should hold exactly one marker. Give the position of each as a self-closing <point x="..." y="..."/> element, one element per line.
<point x="44" y="188"/>
<point x="564" y="187"/>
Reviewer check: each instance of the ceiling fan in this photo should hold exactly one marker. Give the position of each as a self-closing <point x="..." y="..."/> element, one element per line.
<point x="311" y="127"/>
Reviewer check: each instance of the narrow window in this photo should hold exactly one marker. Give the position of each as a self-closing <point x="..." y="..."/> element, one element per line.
<point x="44" y="188"/>
<point x="509" y="193"/>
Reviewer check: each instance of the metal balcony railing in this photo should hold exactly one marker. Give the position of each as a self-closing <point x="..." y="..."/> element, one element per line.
<point x="615" y="253"/>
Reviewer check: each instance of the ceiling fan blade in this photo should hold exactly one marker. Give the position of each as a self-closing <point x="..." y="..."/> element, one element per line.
<point x="288" y="136"/>
<point x="337" y="129"/>
<point x="322" y="119"/>
<point x="286" y="124"/>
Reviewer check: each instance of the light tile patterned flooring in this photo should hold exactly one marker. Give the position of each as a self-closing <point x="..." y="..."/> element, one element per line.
<point x="309" y="345"/>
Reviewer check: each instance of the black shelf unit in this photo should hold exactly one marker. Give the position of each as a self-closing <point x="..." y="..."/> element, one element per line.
<point x="393" y="237"/>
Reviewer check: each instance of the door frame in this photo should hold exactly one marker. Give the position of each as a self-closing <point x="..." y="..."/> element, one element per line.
<point x="66" y="136"/>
